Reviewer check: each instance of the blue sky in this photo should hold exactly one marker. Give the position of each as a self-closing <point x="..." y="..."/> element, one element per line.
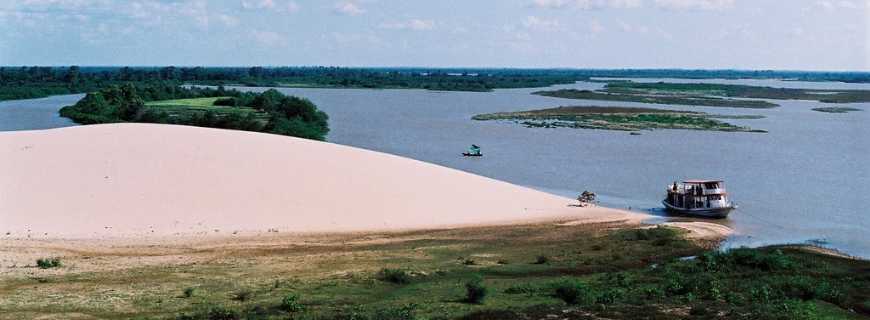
<point x="741" y="34"/>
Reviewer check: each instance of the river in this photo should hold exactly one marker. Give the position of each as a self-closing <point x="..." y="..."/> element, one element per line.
<point x="799" y="183"/>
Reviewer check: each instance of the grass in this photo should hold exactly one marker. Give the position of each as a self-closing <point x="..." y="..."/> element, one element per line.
<point x="180" y="109"/>
<point x="195" y="102"/>
<point x="615" y="118"/>
<point x="630" y="273"/>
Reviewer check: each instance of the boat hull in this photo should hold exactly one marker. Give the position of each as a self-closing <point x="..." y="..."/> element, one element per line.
<point x="717" y="213"/>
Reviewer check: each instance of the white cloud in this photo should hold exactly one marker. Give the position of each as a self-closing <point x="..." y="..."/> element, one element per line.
<point x="271" y="5"/>
<point x="694" y="4"/>
<point x="348" y="7"/>
<point x="269" y="38"/>
<point x="541" y="24"/>
<point x="413" y="24"/>
<point x="258" y="4"/>
<point x="228" y="20"/>
<point x="632" y="4"/>
<point x="829" y="5"/>
<point x="587" y="4"/>
<point x="596" y="27"/>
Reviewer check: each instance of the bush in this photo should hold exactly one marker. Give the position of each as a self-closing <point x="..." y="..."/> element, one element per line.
<point x="225" y="102"/>
<point x="213" y="313"/>
<point x="609" y="296"/>
<point x="48" y="263"/>
<point x="573" y="292"/>
<point x="525" y="288"/>
<point x="475" y="291"/>
<point x="542" y="260"/>
<point x="745" y="257"/>
<point x="221" y="313"/>
<point x="291" y="303"/>
<point x="189" y="292"/>
<point x="406" y="312"/>
<point x="397" y="276"/>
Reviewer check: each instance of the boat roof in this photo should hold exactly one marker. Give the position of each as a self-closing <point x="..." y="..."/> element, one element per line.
<point x="700" y="181"/>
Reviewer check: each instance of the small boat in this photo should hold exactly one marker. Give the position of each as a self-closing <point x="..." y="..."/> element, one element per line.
<point x="703" y="198"/>
<point x="473" y="151"/>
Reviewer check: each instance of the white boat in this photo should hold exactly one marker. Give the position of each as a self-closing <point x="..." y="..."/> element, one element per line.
<point x="704" y="198"/>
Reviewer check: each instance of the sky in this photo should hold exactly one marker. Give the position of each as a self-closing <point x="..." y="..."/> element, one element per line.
<point x="708" y="34"/>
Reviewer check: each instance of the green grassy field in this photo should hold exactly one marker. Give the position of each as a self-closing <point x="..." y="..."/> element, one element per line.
<point x="528" y="272"/>
<point x="191" y="108"/>
<point x="195" y="102"/>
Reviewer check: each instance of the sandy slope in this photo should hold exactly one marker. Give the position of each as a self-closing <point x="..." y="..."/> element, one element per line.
<point x="123" y="180"/>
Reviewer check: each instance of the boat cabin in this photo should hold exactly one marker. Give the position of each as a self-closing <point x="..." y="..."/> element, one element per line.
<point x="698" y="194"/>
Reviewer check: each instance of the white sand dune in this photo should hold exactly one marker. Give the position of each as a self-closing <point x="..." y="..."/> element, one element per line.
<point x="123" y="180"/>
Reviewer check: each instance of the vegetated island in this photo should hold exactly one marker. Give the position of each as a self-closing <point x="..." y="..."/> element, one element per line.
<point x="643" y="97"/>
<point x="616" y="118"/>
<point x="269" y="111"/>
<point x="836" y="109"/>
<point x="736" y="91"/>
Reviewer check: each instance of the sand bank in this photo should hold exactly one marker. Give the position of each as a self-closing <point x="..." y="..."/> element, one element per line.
<point x="131" y="180"/>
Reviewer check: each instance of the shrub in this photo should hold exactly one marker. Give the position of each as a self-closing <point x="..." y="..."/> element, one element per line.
<point x="609" y="296"/>
<point x="48" y="263"/>
<point x="406" y="312"/>
<point x="397" y="276"/>
<point x="475" y="291"/>
<point x="573" y="292"/>
<point x="225" y="102"/>
<point x="524" y="288"/>
<point x="221" y="313"/>
<point x="290" y="303"/>
<point x="542" y="260"/>
<point x="189" y="292"/>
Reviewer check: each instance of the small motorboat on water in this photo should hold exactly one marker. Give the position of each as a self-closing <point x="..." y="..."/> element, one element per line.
<point x="473" y="151"/>
<point x="703" y="198"/>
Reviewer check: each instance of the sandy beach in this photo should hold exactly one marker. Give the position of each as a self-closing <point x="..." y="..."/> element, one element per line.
<point x="133" y="180"/>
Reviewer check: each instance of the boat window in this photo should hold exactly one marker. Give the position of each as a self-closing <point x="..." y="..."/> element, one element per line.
<point x="716" y="197"/>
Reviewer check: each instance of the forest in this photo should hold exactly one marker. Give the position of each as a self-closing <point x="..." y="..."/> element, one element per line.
<point x="39" y="81"/>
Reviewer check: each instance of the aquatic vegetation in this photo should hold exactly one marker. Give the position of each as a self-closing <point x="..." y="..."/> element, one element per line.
<point x="614" y="118"/>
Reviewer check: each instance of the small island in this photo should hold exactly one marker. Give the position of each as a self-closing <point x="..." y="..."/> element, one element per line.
<point x="655" y="98"/>
<point x="737" y="91"/>
<point x="615" y="118"/>
<point x="836" y="109"/>
<point x="269" y="111"/>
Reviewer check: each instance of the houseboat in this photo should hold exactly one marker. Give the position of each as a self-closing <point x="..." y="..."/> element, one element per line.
<point x="703" y="198"/>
